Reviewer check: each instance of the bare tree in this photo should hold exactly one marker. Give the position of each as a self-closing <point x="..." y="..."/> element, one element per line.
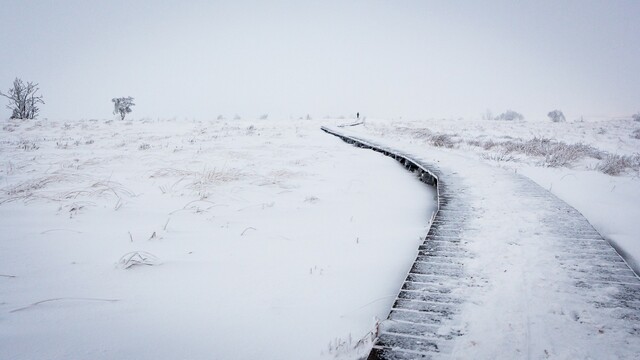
<point x="23" y="100"/>
<point x="487" y="115"/>
<point x="122" y="106"/>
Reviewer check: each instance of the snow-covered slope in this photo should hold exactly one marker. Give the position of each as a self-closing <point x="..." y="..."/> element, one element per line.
<point x="266" y="240"/>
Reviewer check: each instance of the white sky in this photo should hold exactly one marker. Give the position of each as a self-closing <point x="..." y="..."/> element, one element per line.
<point x="416" y="59"/>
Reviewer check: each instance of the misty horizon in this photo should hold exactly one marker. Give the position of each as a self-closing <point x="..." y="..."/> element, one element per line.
<point x="413" y="59"/>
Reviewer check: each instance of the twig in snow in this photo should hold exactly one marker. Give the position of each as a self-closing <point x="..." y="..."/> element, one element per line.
<point x="59" y="299"/>
<point x="138" y="258"/>
<point x="118" y="204"/>
<point x="48" y="231"/>
<point x="245" y="230"/>
<point x="130" y="236"/>
<point x="8" y="276"/>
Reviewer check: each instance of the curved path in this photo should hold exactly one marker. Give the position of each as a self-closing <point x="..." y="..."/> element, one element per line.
<point x="507" y="271"/>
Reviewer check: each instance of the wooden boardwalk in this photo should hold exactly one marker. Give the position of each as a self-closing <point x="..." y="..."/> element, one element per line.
<point x="580" y="268"/>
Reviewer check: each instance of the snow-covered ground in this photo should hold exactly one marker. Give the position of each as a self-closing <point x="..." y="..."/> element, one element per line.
<point x="578" y="176"/>
<point x="265" y="239"/>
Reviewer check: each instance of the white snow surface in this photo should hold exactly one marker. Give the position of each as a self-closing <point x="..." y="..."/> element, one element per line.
<point x="168" y="239"/>
<point x="274" y="240"/>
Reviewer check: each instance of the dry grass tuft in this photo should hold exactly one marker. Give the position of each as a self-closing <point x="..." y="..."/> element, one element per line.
<point x="618" y="164"/>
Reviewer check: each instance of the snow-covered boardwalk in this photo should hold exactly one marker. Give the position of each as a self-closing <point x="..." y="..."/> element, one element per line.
<point x="507" y="270"/>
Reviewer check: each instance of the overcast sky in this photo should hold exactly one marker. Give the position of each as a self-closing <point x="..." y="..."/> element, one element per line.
<point x="415" y="59"/>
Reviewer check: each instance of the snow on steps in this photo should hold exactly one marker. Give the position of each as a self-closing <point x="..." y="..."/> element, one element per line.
<point x="430" y="315"/>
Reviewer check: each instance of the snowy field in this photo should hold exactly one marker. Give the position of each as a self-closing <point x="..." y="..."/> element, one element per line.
<point x="593" y="164"/>
<point x="151" y="239"/>
<point x="263" y="239"/>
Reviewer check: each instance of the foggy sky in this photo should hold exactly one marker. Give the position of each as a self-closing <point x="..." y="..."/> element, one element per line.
<point x="415" y="59"/>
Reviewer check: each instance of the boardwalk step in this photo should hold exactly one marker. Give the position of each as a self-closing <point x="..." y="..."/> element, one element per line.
<point x="435" y="269"/>
<point x="421" y="317"/>
<point x="443" y="280"/>
<point x="430" y="297"/>
<point x="396" y="341"/>
<point x="379" y="353"/>
<point x="438" y="308"/>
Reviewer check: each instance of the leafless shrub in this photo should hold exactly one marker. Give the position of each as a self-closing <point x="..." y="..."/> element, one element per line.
<point x="636" y="116"/>
<point x="442" y="140"/>
<point x="510" y="115"/>
<point x="144" y="146"/>
<point x="636" y="134"/>
<point x="617" y="164"/>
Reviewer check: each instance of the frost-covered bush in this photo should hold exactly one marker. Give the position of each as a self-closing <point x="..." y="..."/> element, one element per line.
<point x="636" y="116"/>
<point x="563" y="155"/>
<point x="122" y="106"/>
<point x="617" y="164"/>
<point x="556" y="116"/>
<point x="555" y="153"/>
<point x="441" y="140"/>
<point x="636" y="134"/>
<point x="510" y="115"/>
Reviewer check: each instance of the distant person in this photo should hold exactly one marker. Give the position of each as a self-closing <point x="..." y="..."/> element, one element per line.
<point x="357" y="115"/>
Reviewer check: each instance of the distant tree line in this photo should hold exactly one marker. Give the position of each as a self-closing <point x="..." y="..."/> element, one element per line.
<point x="24" y="101"/>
